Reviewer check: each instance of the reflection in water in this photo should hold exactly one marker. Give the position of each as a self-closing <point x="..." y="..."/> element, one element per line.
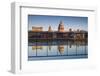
<point x="61" y="49"/>
<point x="58" y="50"/>
<point x="36" y="47"/>
<point x="49" y="47"/>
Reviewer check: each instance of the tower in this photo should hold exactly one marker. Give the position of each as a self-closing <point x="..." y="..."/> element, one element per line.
<point x="70" y="30"/>
<point x="49" y="29"/>
<point x="61" y="27"/>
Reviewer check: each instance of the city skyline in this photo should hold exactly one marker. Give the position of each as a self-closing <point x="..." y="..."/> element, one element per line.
<point x="53" y="21"/>
<point x="57" y="37"/>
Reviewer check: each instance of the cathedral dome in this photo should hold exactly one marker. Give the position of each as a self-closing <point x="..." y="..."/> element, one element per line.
<point x="61" y="27"/>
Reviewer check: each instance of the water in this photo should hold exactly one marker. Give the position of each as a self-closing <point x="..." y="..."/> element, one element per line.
<point x="57" y="50"/>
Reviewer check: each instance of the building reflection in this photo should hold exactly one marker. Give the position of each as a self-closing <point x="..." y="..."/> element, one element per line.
<point x="61" y="49"/>
<point x="49" y="48"/>
<point x="37" y="47"/>
<point x="49" y="45"/>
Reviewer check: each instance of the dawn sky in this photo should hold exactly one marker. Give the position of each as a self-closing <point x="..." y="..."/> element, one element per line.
<point x="53" y="21"/>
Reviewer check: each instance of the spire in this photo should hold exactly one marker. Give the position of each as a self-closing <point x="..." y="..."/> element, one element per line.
<point x="61" y="27"/>
<point x="49" y="29"/>
<point x="61" y="22"/>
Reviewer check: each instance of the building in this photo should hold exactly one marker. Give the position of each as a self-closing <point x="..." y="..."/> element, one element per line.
<point x="37" y="29"/>
<point x="61" y="27"/>
<point x="38" y="33"/>
<point x="70" y="30"/>
<point x="49" y="29"/>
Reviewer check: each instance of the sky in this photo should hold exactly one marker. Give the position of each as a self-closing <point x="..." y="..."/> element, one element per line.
<point x="45" y="21"/>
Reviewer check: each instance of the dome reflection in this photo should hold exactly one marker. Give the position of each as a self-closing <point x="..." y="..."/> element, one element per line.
<point x="61" y="49"/>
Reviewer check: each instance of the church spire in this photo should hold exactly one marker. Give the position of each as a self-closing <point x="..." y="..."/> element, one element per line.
<point x="49" y="29"/>
<point x="61" y="27"/>
<point x="61" y="22"/>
